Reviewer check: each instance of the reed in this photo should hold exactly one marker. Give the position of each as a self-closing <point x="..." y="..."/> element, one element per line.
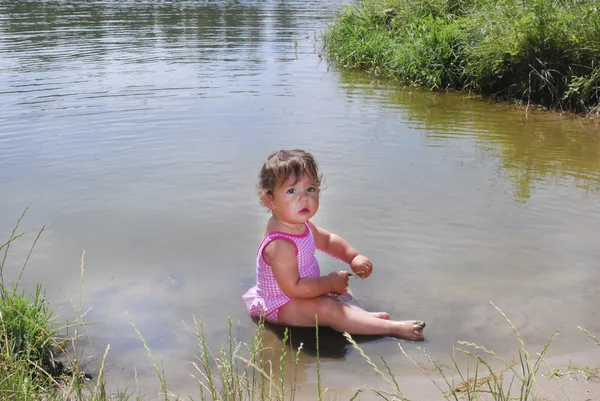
<point x="241" y="371"/>
<point x="387" y="377"/>
<point x="590" y="335"/>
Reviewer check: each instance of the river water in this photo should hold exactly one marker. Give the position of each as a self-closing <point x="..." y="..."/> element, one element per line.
<point x="136" y="130"/>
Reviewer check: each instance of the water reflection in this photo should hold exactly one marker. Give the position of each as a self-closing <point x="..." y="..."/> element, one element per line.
<point x="87" y="30"/>
<point x="325" y="342"/>
<point x="533" y="147"/>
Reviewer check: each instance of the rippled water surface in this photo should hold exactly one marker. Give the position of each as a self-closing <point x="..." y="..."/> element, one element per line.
<point x="136" y="130"/>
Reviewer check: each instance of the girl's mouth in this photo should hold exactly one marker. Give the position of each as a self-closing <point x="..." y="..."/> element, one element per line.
<point x="304" y="211"/>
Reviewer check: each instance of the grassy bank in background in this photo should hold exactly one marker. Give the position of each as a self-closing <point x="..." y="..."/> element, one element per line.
<point x="39" y="360"/>
<point x="539" y="52"/>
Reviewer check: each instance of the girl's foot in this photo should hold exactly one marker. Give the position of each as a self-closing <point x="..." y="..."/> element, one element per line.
<point x="409" y="330"/>
<point x="380" y="315"/>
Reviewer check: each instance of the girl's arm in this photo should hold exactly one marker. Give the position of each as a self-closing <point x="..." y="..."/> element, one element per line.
<point x="281" y="255"/>
<point x="334" y="245"/>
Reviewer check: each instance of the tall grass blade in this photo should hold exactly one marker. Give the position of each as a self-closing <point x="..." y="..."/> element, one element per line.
<point x="318" y="359"/>
<point x="282" y="364"/>
<point x="157" y="369"/>
<point x="6" y="247"/>
<point x="590" y="335"/>
<point x="29" y="255"/>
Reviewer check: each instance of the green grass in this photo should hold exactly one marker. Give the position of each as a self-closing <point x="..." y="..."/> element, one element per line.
<point x="27" y="334"/>
<point x="32" y="340"/>
<point x="539" y="52"/>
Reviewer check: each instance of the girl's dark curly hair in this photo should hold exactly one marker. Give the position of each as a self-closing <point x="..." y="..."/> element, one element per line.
<point x="282" y="165"/>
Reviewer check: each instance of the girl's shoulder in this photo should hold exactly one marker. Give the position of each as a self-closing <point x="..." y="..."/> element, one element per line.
<point x="277" y="238"/>
<point x="275" y="229"/>
<point x="277" y="245"/>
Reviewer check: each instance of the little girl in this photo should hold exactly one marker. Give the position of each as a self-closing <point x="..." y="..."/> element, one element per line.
<point x="290" y="289"/>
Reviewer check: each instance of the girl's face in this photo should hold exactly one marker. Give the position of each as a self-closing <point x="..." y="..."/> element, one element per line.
<point x="295" y="203"/>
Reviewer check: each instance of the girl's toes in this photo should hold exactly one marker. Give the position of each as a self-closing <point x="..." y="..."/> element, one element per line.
<point x="409" y="330"/>
<point x="418" y="335"/>
<point x="419" y="325"/>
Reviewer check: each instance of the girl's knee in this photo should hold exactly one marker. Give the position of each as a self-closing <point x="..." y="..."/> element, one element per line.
<point x="324" y="309"/>
<point x="328" y="308"/>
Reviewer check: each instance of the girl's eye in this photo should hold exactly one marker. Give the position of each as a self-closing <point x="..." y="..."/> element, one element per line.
<point x="311" y="189"/>
<point x="291" y="191"/>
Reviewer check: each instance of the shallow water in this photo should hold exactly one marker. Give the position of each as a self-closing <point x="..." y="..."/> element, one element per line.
<point x="136" y="130"/>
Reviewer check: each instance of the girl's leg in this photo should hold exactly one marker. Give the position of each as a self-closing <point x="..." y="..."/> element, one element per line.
<point x="348" y="299"/>
<point x="344" y="318"/>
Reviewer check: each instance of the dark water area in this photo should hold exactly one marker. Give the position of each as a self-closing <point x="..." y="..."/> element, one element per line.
<point x="136" y="130"/>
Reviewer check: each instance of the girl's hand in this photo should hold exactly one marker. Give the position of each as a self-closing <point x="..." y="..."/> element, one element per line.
<point x="339" y="281"/>
<point x="362" y="266"/>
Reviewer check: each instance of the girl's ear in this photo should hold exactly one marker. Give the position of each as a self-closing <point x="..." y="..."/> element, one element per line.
<point x="268" y="201"/>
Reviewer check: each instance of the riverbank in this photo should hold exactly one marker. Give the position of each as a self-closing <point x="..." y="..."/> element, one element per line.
<point x="542" y="52"/>
<point x="41" y="359"/>
<point x="243" y="371"/>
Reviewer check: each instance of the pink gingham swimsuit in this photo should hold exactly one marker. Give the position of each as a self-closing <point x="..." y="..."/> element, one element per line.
<point x="266" y="298"/>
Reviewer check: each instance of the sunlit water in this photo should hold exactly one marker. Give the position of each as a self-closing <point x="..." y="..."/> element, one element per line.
<point x="136" y="130"/>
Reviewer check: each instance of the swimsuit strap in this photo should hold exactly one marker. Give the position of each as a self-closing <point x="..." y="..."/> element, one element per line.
<point x="275" y="235"/>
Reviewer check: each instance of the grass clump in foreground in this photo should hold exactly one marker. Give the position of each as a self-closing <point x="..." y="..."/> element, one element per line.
<point x="38" y="359"/>
<point x="26" y="335"/>
<point x="542" y="52"/>
<point x="30" y="343"/>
